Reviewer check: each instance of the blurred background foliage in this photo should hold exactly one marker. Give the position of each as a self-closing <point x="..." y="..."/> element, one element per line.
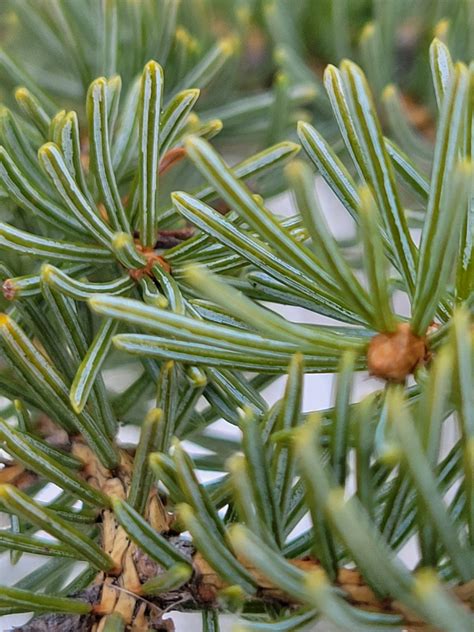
<point x="265" y="44"/>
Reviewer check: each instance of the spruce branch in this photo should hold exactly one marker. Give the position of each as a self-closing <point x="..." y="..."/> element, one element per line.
<point x="127" y="235"/>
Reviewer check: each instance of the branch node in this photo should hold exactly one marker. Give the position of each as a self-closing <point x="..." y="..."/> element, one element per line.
<point x="151" y="259"/>
<point x="393" y="356"/>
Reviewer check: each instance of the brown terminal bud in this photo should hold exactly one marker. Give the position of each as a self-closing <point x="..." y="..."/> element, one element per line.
<point x="393" y="356"/>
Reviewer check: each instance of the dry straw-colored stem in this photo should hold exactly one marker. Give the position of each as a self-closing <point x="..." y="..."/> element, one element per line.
<point x="119" y="591"/>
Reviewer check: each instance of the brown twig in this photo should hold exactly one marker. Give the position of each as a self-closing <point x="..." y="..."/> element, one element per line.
<point x="170" y="159"/>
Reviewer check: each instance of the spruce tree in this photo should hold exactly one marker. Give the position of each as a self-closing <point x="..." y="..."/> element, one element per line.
<point x="133" y="244"/>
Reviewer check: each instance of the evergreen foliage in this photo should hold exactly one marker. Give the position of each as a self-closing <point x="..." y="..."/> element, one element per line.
<point x="131" y="244"/>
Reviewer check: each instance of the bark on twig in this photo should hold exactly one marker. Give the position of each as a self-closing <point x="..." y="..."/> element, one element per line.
<point x="119" y="591"/>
